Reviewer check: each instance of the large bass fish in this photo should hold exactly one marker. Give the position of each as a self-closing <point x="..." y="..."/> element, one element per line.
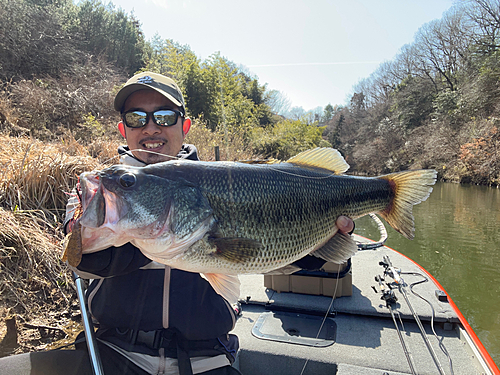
<point x="230" y="218"/>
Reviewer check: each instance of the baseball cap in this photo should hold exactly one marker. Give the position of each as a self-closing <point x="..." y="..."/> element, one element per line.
<point x="164" y="85"/>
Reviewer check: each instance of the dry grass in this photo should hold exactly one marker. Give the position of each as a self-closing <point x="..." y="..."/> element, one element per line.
<point x="32" y="273"/>
<point x="37" y="176"/>
<point x="35" y="286"/>
<point x="49" y="106"/>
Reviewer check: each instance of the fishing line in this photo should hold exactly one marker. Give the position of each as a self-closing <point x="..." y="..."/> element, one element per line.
<point x="395" y="275"/>
<point x="270" y="166"/>
<point x="330" y="307"/>
<point x="129" y="153"/>
<point x="108" y="160"/>
<point x="440" y="341"/>
<point x="267" y="165"/>
<point x="152" y="152"/>
<point x="365" y="246"/>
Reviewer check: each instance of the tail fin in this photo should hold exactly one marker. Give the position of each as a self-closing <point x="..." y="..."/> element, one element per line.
<point x="409" y="188"/>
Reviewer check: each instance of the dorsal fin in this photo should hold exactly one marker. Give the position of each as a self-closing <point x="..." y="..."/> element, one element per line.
<point x="321" y="157"/>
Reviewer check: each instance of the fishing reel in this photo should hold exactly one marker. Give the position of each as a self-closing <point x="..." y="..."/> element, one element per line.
<point x="388" y="294"/>
<point x="391" y="271"/>
<point x="386" y="288"/>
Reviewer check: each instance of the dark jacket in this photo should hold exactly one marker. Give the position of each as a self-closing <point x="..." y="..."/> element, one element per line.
<point x="131" y="292"/>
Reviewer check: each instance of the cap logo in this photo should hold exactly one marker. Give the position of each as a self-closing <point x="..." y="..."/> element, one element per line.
<point x="145" y="79"/>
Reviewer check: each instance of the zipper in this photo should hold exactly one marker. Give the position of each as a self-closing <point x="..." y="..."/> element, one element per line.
<point x="161" y="364"/>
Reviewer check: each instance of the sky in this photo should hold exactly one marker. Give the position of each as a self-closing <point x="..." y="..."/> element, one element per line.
<point x="313" y="51"/>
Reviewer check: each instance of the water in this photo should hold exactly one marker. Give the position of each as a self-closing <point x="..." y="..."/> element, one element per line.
<point x="457" y="240"/>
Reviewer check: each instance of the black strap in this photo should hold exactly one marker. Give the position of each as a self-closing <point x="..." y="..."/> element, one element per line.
<point x="183" y="360"/>
<point x="173" y="345"/>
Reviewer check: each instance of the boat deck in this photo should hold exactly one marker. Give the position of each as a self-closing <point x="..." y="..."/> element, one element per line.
<point x="358" y="336"/>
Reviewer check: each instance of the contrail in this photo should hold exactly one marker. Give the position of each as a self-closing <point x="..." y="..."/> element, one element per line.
<point x="309" y="64"/>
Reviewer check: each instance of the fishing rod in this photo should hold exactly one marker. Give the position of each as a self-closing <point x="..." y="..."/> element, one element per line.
<point x="394" y="273"/>
<point x="88" y="327"/>
<point x="390" y="299"/>
<point x="441" y="345"/>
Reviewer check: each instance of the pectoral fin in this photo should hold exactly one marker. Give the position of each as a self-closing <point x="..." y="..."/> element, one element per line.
<point x="73" y="246"/>
<point x="237" y="250"/>
<point x="228" y="286"/>
<point x="338" y="249"/>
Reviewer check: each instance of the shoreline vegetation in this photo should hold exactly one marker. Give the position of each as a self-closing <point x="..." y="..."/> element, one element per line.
<point x="435" y="105"/>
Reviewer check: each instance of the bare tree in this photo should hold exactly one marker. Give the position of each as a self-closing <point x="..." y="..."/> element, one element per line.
<point x="296" y="113"/>
<point x="439" y="49"/>
<point x="485" y="16"/>
<point x="278" y="102"/>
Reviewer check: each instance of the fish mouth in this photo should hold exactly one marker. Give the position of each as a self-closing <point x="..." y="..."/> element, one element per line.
<point x="99" y="205"/>
<point x="90" y="184"/>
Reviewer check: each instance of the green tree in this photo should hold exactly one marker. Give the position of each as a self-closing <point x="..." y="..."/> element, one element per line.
<point x="412" y="102"/>
<point x="334" y="134"/>
<point x="287" y="138"/>
<point x="104" y="30"/>
<point x="181" y="63"/>
<point x="34" y="40"/>
<point x="328" y="113"/>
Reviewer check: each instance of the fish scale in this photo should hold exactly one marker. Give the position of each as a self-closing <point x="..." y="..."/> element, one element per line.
<point x="288" y="209"/>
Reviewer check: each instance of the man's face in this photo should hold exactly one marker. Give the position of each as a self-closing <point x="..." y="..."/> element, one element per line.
<point x="156" y="139"/>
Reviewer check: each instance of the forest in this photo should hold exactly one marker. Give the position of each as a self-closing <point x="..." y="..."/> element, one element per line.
<point x="434" y="105"/>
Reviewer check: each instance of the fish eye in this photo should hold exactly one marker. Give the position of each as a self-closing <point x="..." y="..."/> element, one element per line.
<point x="127" y="180"/>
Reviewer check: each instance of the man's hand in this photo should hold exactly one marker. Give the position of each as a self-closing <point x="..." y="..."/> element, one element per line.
<point x="345" y="224"/>
<point x="312" y="263"/>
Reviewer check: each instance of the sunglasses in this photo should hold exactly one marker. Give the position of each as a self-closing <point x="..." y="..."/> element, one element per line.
<point x="161" y="117"/>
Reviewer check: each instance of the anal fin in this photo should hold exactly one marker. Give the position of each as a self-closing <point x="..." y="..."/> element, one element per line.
<point x="338" y="249"/>
<point x="228" y="286"/>
<point x="286" y="270"/>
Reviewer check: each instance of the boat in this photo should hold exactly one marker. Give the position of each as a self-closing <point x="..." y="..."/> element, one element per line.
<point x="389" y="316"/>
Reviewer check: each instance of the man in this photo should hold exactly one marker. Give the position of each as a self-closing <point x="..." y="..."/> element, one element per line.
<point x="152" y="319"/>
